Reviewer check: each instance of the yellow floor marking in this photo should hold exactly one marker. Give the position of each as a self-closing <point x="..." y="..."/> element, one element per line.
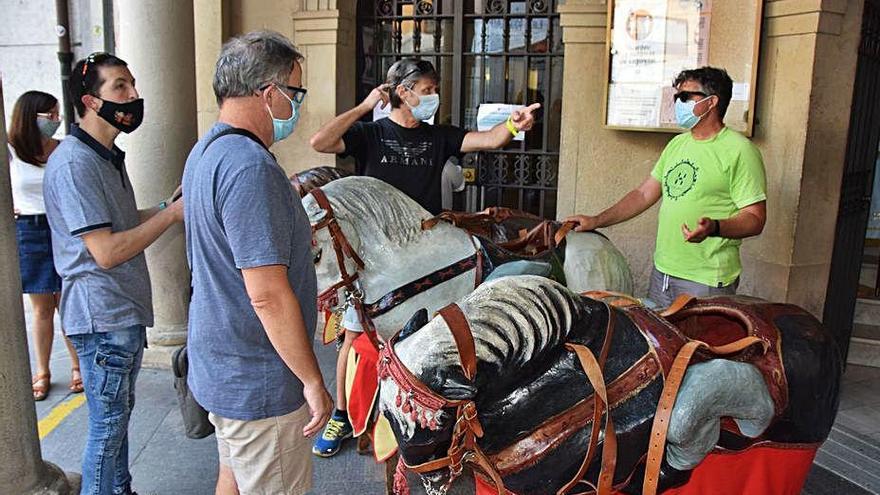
<point x="58" y="413"/>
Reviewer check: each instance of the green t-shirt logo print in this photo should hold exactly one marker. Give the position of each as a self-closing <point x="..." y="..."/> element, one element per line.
<point x="680" y="179"/>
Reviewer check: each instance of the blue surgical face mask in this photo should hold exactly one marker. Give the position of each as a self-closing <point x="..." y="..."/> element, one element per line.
<point x="684" y="113"/>
<point x="426" y="107"/>
<point x="282" y="128"/>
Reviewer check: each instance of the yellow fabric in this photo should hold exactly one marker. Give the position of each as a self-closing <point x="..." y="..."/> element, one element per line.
<point x="384" y="443"/>
<point x="333" y="322"/>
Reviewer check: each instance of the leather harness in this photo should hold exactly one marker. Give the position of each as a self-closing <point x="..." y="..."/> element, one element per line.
<point x="424" y="405"/>
<point x="329" y="297"/>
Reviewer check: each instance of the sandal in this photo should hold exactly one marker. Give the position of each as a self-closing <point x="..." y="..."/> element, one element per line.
<point x="40" y="385"/>
<point x="76" y="384"/>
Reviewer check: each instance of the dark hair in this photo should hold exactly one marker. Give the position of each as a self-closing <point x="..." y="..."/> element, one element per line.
<point x="24" y="135"/>
<point x="86" y="80"/>
<point x="714" y="82"/>
<point x="408" y="71"/>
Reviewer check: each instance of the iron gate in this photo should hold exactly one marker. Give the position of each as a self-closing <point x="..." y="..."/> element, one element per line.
<point x="855" y="193"/>
<point x="486" y="51"/>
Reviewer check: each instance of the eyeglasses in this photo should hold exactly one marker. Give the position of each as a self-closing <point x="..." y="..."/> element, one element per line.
<point x="94" y="58"/>
<point x="299" y="94"/>
<point x="684" y="96"/>
<point x="422" y="67"/>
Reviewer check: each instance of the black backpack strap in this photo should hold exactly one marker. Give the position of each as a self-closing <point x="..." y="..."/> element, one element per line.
<point x="238" y="131"/>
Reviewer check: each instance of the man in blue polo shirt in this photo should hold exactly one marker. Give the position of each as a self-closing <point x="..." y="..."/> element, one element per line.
<point x="98" y="242"/>
<point x="254" y="304"/>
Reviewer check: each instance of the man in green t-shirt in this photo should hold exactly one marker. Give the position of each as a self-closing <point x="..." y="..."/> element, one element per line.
<point x="714" y="194"/>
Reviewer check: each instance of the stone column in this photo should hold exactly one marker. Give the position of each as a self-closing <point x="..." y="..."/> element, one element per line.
<point x="22" y="469"/>
<point x="210" y="33"/>
<point x="805" y="86"/>
<point x="156" y="39"/>
<point x="324" y="30"/>
<point x="597" y="165"/>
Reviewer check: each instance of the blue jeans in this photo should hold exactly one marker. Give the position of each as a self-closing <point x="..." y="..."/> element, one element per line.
<point x="110" y="363"/>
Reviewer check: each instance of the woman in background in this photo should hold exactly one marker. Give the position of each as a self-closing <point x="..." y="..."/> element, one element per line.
<point x="35" y="119"/>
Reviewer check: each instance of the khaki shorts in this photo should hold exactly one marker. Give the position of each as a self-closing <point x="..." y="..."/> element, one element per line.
<point x="267" y="456"/>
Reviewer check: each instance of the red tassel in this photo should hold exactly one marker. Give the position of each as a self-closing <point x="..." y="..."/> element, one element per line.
<point x="401" y="486"/>
<point x="406" y="408"/>
<point x="399" y="399"/>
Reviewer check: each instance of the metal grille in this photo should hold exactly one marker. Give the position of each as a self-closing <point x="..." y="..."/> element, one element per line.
<point x="487" y="51"/>
<point x="856" y="188"/>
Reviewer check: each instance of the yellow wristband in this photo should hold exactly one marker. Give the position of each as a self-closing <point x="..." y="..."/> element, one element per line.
<point x="510" y="127"/>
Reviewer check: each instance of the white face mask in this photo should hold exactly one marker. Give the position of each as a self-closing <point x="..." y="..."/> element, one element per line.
<point x="427" y="106"/>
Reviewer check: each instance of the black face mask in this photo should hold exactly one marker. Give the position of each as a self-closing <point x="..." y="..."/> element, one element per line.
<point x="124" y="116"/>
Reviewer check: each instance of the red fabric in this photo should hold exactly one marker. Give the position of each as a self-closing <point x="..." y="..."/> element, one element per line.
<point x="366" y="382"/>
<point x="764" y="470"/>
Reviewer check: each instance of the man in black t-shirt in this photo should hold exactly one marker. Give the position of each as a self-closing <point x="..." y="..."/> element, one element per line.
<point x="408" y="153"/>
<point x="403" y="149"/>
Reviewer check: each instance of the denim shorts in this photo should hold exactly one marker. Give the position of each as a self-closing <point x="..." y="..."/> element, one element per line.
<point x="38" y="274"/>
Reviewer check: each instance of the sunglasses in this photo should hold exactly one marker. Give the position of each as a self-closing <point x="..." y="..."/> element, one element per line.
<point x="94" y="58"/>
<point x="299" y="94"/>
<point x="422" y="67"/>
<point x="684" y="96"/>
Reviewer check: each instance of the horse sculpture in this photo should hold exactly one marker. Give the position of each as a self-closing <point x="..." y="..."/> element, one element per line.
<point x="303" y="182"/>
<point x="370" y="246"/>
<point x="514" y="382"/>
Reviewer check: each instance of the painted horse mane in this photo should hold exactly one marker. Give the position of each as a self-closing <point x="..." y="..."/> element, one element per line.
<point x="380" y="214"/>
<point x="515" y="322"/>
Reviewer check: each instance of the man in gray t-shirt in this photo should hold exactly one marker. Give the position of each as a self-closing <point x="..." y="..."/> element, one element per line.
<point x="98" y="242"/>
<point x="253" y="311"/>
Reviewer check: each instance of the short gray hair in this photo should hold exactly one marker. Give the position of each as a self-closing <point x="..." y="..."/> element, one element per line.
<point x="251" y="61"/>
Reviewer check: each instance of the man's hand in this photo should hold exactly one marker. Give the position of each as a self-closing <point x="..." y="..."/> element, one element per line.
<point x="584" y="223"/>
<point x="378" y="94"/>
<point x="524" y="119"/>
<point x="320" y="406"/>
<point x="176" y="209"/>
<point x="705" y="228"/>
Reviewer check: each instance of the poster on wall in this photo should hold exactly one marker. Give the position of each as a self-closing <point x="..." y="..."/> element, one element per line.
<point x="651" y="41"/>
<point x="638" y="41"/>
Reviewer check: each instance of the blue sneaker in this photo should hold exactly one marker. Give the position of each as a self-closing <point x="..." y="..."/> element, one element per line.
<point x="330" y="441"/>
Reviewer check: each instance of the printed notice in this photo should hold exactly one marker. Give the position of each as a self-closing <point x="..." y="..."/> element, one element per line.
<point x="740" y="91"/>
<point x="491" y="114"/>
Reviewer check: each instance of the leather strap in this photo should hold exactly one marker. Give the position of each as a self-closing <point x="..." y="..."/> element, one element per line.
<point x="677" y="305"/>
<point x="340" y="243"/>
<point x="609" y="448"/>
<point x="602" y="295"/>
<point x="593" y="369"/>
<point x="464" y="340"/>
<point x="562" y="232"/>
<point x="660" y="426"/>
